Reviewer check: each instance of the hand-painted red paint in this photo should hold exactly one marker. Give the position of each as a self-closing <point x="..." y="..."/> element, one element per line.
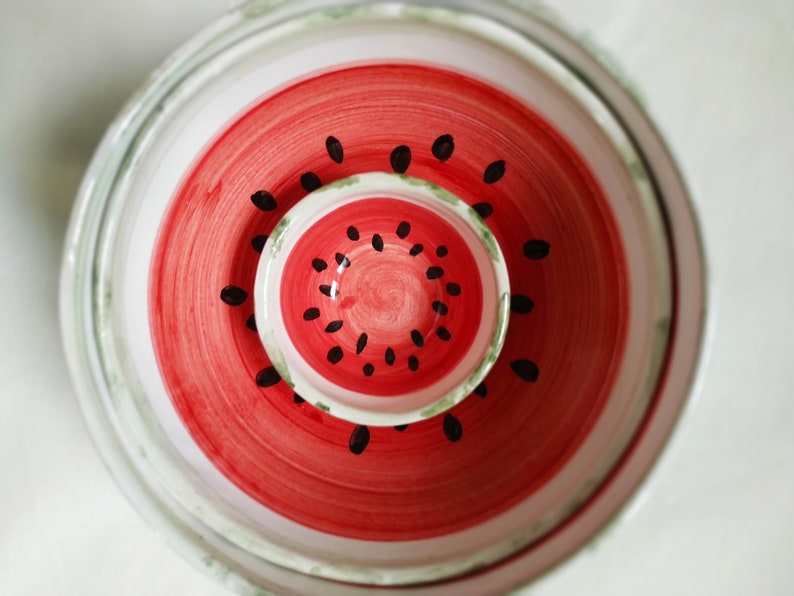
<point x="417" y="483"/>
<point x="385" y="293"/>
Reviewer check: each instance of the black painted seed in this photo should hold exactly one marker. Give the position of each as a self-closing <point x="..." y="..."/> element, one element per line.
<point x="297" y="398"/>
<point x="481" y="390"/>
<point x="416" y="249"/>
<point x="440" y="307"/>
<point x="413" y="363"/>
<point x="536" y="249"/>
<point x="400" y="427"/>
<point x="334" y="148"/>
<point x="400" y="158"/>
<point x="521" y="304"/>
<point x="258" y="242"/>
<point x="443" y="333"/>
<point x="368" y="370"/>
<point x="377" y="242"/>
<point x="319" y="265"/>
<point x="389" y="357"/>
<point x="452" y="428"/>
<point x="251" y="323"/>
<point x="352" y="233"/>
<point x="264" y="200"/>
<point x="329" y="291"/>
<point x="359" y="439"/>
<point x="267" y="377"/>
<point x="442" y="251"/>
<point x="483" y="209"/>
<point x="342" y="260"/>
<point x="311" y="313"/>
<point x="233" y="296"/>
<point x="434" y="272"/>
<point x="453" y="289"/>
<point x="310" y="181"/>
<point x="417" y="338"/>
<point x="333" y="326"/>
<point x="361" y="343"/>
<point x="494" y="172"/>
<point x="335" y="354"/>
<point x="443" y="147"/>
<point x="526" y="370"/>
<point x="403" y="229"/>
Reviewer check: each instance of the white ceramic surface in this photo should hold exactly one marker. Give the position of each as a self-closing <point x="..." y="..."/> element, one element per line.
<point x="715" y="517"/>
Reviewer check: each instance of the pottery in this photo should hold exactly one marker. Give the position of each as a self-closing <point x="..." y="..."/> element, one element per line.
<point x="414" y="309"/>
<point x="384" y="294"/>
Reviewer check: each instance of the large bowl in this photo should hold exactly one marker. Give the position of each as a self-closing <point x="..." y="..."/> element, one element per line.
<point x="260" y="429"/>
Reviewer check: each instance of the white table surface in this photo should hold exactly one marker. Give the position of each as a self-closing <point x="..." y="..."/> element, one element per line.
<point x="717" y="516"/>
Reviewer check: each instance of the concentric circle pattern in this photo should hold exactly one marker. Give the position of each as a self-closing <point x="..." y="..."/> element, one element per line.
<point x="567" y="330"/>
<point x="382" y="297"/>
<point x="192" y="362"/>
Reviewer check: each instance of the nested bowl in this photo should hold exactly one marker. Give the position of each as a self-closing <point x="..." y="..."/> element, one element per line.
<point x="365" y="296"/>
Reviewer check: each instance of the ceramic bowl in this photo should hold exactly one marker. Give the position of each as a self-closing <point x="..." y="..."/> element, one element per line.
<point x="390" y="295"/>
<point x="414" y="306"/>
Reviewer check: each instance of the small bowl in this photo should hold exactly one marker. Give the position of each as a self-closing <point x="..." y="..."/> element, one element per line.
<point x="382" y="299"/>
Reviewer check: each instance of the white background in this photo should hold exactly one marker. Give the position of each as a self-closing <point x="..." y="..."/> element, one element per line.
<point x="717" y="516"/>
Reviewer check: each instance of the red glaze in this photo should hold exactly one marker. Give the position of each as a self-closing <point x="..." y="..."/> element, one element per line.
<point x="385" y="293"/>
<point x="449" y="472"/>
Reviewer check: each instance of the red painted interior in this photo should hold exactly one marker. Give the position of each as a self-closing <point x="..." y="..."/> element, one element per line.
<point x="385" y="294"/>
<point x="292" y="457"/>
